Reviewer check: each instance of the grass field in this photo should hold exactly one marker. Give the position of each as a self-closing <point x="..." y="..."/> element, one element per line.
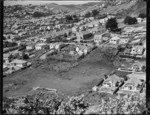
<point x="78" y="79"/>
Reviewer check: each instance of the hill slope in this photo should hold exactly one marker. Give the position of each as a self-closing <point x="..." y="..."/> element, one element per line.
<point x="57" y="7"/>
<point x="134" y="7"/>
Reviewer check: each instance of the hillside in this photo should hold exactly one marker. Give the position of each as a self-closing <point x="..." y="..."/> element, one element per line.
<point x="82" y="6"/>
<point x="57" y="7"/>
<point x="134" y="7"/>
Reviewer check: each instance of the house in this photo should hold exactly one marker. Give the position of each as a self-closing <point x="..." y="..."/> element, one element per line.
<point x="56" y="46"/>
<point x="98" y="38"/>
<point x="83" y="49"/>
<point x="102" y="21"/>
<point x="30" y="47"/>
<point x="114" y="40"/>
<point x="75" y="29"/>
<point x="137" y="50"/>
<point x="79" y="36"/>
<point x="131" y="86"/>
<point x="43" y="39"/>
<point x="19" y="63"/>
<point x="126" y="52"/>
<point x="106" y="37"/>
<point x="110" y="84"/>
<point x="139" y="66"/>
<point x="39" y="46"/>
<point x="139" y="20"/>
<point x="124" y="40"/>
<point x="139" y="76"/>
<point x="6" y="57"/>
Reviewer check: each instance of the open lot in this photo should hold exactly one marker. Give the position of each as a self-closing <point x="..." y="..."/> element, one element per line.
<point x="78" y="79"/>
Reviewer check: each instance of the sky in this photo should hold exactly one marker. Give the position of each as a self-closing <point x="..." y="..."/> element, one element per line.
<point x="38" y="2"/>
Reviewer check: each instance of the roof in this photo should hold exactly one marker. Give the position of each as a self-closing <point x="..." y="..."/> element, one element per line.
<point x="133" y="81"/>
<point x="99" y="33"/>
<point x="115" y="38"/>
<point x="139" y="63"/>
<point x="6" y="55"/>
<point x="40" y="44"/>
<point x="137" y="76"/>
<point x="106" y="35"/>
<point x="18" y="61"/>
<point x="138" y="47"/>
<point x="114" y="78"/>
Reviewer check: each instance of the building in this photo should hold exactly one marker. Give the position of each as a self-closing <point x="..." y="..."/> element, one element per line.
<point x="19" y="63"/>
<point x="110" y="84"/>
<point x="29" y="47"/>
<point x="133" y="85"/>
<point x="6" y="57"/>
<point x="79" y="36"/>
<point x="139" y="20"/>
<point x="56" y="46"/>
<point x="137" y="50"/>
<point x="124" y="40"/>
<point x="106" y="37"/>
<point x="139" y="66"/>
<point x="98" y="38"/>
<point x="140" y="76"/>
<point x="39" y="46"/>
<point x="114" y="40"/>
<point x="75" y="29"/>
<point x="126" y="52"/>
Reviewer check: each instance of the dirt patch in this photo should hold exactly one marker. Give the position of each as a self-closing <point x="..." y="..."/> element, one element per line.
<point x="78" y="79"/>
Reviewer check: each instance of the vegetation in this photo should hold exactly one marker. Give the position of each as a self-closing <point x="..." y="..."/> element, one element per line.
<point x="142" y="15"/>
<point x="71" y="18"/>
<point x="130" y="20"/>
<point x="25" y="56"/>
<point x="112" y="24"/>
<point x="55" y="104"/>
<point x="9" y="44"/>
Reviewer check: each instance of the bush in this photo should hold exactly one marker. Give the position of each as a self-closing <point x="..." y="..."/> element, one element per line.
<point x="112" y="24"/>
<point x="43" y="103"/>
<point x="142" y="15"/>
<point x="25" y="56"/>
<point x="130" y="20"/>
<point x="38" y="14"/>
<point x="9" y="44"/>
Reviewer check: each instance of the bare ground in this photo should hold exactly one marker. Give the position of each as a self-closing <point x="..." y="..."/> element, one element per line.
<point x="78" y="79"/>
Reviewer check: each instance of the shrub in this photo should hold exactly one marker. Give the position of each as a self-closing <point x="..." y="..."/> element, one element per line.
<point x="112" y="24"/>
<point x="130" y="20"/>
<point x="142" y="15"/>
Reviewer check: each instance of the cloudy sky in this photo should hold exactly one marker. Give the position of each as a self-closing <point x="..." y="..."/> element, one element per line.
<point x="38" y="2"/>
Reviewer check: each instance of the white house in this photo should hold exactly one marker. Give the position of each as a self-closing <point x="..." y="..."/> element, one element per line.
<point x="98" y="38"/>
<point x="39" y="46"/>
<point x="139" y="20"/>
<point x="29" y="47"/>
<point x="114" y="40"/>
<point x="6" y="57"/>
<point x="74" y="29"/>
<point x="137" y="50"/>
<point x="130" y="86"/>
<point x="124" y="40"/>
<point x="19" y="63"/>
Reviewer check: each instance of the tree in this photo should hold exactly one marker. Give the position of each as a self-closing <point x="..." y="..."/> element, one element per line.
<point x="87" y="15"/>
<point x="95" y="13"/>
<point x="38" y="14"/>
<point x="25" y="56"/>
<point x="112" y="24"/>
<point x="130" y="20"/>
<point x="142" y="15"/>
